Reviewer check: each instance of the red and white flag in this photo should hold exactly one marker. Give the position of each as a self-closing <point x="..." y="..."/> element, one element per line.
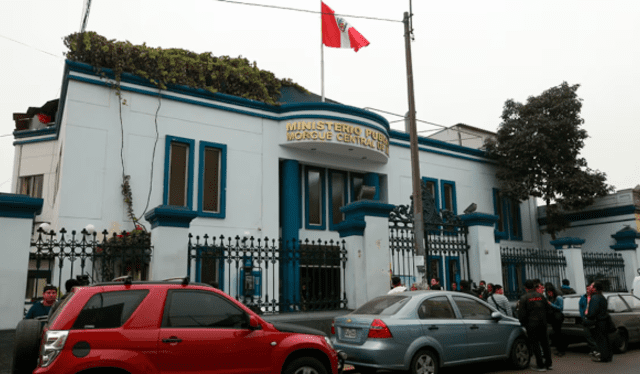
<point x="337" y="33"/>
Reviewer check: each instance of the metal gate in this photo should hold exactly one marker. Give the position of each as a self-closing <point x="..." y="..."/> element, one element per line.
<point x="445" y="245"/>
<point x="607" y="268"/>
<point x="519" y="264"/>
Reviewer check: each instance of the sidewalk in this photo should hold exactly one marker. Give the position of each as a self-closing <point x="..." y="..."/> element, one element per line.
<point x="6" y="350"/>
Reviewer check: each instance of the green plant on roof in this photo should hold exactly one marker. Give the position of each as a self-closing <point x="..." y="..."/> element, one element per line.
<point x="163" y="67"/>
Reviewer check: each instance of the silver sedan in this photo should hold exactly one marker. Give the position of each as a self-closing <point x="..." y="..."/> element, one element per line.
<point x="421" y="331"/>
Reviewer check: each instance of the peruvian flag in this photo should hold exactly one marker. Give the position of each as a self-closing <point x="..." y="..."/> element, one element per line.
<point x="337" y="33"/>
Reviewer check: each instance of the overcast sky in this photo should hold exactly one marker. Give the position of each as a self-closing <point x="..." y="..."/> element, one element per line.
<point x="468" y="57"/>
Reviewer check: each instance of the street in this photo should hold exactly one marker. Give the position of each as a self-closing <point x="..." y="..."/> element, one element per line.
<point x="575" y="361"/>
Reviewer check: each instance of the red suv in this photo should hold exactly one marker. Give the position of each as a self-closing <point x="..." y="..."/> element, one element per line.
<point x="174" y="327"/>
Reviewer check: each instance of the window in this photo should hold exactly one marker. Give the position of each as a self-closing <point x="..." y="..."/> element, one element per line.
<point x="357" y="180"/>
<point x="509" y="225"/>
<point x="449" y="196"/>
<point x="472" y="309"/>
<point x="31" y="185"/>
<point x="202" y="309"/>
<point x="314" y="188"/>
<point x="432" y="185"/>
<point x="109" y="310"/>
<point x="179" y="172"/>
<point x="337" y="196"/>
<point x="212" y="187"/>
<point x="436" y="308"/>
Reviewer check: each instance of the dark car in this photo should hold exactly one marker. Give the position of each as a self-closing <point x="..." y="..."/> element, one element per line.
<point x="624" y="309"/>
<point x="421" y="331"/>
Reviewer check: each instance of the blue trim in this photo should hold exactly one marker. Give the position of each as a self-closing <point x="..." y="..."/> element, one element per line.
<point x="167" y="151"/>
<point x="20" y="206"/>
<point x="436" y="191"/>
<point x="373" y="180"/>
<point x="453" y="193"/>
<point x="234" y="100"/>
<point x="323" y="202"/>
<point x="39" y="140"/>
<point x="351" y="228"/>
<point x="170" y="216"/>
<point x="332" y="226"/>
<point x="359" y="209"/>
<point x="479" y="219"/>
<point x="440" y="267"/>
<point x="448" y="260"/>
<point x="517" y="218"/>
<point x="444" y="153"/>
<point x="399" y="135"/>
<point x="497" y="233"/>
<point x="625" y="239"/>
<point x="563" y="243"/>
<point x="222" y="179"/>
<point x="595" y="214"/>
<point x="31" y="133"/>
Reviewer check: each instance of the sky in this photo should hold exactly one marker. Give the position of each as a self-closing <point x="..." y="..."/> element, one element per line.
<point x="469" y="57"/>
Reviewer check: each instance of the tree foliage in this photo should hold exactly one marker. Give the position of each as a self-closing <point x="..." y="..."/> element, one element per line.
<point x="162" y="67"/>
<point x="537" y="148"/>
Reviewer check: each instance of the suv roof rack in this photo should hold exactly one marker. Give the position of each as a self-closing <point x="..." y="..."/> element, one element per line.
<point x="185" y="280"/>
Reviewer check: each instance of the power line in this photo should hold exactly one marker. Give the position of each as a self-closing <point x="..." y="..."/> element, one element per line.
<point x="30" y="46"/>
<point x="306" y="11"/>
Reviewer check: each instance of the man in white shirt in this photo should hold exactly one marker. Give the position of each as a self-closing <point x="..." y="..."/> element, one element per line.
<point x="397" y="286"/>
<point x="499" y="301"/>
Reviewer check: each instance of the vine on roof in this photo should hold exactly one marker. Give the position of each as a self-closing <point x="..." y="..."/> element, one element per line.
<point x="164" y="67"/>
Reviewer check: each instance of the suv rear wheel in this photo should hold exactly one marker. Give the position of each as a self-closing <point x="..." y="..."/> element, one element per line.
<point x="305" y="365"/>
<point x="26" y="345"/>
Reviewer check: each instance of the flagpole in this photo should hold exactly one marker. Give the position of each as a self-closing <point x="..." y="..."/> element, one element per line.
<point x="321" y="55"/>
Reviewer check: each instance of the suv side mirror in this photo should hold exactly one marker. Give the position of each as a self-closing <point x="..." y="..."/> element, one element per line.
<point x="254" y="324"/>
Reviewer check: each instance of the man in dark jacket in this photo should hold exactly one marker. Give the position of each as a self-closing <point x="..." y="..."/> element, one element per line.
<point x="566" y="288"/>
<point x="532" y="313"/>
<point x="597" y="314"/>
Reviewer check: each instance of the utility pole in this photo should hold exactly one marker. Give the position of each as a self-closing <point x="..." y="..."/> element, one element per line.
<point x="85" y="15"/>
<point x="418" y="222"/>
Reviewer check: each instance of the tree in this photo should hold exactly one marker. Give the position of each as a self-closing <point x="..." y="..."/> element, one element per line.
<point x="537" y="149"/>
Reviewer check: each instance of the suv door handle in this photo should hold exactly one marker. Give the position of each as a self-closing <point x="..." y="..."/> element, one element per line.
<point x="173" y="339"/>
<point x="433" y="327"/>
<point x="474" y="327"/>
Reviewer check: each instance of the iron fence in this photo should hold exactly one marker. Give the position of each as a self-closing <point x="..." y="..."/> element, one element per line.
<point x="61" y="256"/>
<point x="608" y="268"/>
<point x="520" y="264"/>
<point x="272" y="275"/>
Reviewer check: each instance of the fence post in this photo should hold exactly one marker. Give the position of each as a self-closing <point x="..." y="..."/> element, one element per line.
<point x="627" y="247"/>
<point x="170" y="239"/>
<point x="484" y="253"/>
<point x="572" y="249"/>
<point x="17" y="213"/>
<point x="366" y="233"/>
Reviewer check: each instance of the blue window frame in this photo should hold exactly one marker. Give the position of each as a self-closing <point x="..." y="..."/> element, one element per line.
<point x="178" y="171"/>
<point x="448" y="198"/>
<point x="434" y="186"/>
<point x="337" y="197"/>
<point x="453" y="272"/>
<point x="315" y="206"/>
<point x="212" y="180"/>
<point x="509" y="225"/>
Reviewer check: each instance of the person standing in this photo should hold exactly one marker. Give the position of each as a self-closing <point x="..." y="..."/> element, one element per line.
<point x="582" y="307"/>
<point x="556" y="303"/>
<point x="42" y="308"/>
<point x="435" y="284"/>
<point x="566" y="288"/>
<point x="465" y="287"/>
<point x="397" y="286"/>
<point x="499" y="301"/>
<point x="532" y="314"/>
<point x="597" y="314"/>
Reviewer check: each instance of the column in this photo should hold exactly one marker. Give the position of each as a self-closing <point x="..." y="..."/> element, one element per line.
<point x="291" y="222"/>
<point x="373" y="180"/>
<point x="17" y="213"/>
<point x="484" y="253"/>
<point x="366" y="233"/>
<point x="572" y="249"/>
<point x="170" y="238"/>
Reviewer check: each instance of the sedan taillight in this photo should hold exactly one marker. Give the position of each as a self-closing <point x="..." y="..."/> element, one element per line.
<point x="379" y="330"/>
<point x="333" y="327"/>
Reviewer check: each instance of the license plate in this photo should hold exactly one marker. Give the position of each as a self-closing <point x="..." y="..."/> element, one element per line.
<point x="571" y="321"/>
<point x="350" y="333"/>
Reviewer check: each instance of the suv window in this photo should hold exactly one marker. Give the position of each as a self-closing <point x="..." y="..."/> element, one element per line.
<point x="436" y="308"/>
<point x="108" y="310"/>
<point x="384" y="305"/>
<point x="198" y="309"/>
<point x="632" y="301"/>
<point x="472" y="309"/>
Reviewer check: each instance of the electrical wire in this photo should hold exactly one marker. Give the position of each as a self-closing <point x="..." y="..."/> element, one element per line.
<point x="307" y="11"/>
<point x="153" y="155"/>
<point x="30" y="46"/>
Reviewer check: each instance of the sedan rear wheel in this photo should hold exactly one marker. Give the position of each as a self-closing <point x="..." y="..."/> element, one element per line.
<point x="424" y="362"/>
<point x="520" y="356"/>
<point x="621" y="344"/>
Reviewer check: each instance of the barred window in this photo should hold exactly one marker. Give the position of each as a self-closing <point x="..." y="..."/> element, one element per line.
<point x="31" y="185"/>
